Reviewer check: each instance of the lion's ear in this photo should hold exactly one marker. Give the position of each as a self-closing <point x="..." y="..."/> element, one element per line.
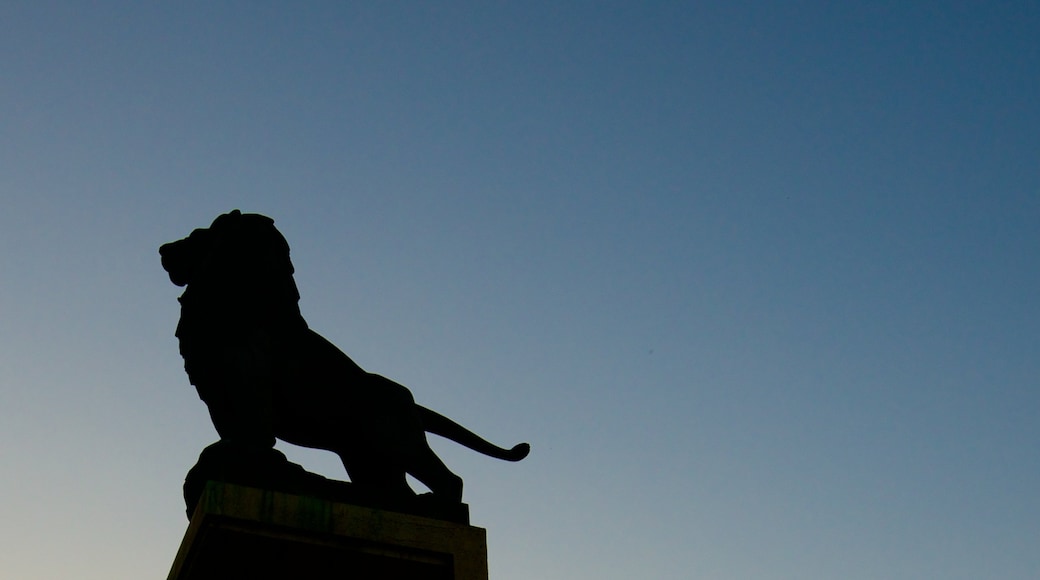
<point x="226" y="219"/>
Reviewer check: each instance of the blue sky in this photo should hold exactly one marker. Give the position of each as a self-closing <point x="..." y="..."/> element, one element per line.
<point x="757" y="280"/>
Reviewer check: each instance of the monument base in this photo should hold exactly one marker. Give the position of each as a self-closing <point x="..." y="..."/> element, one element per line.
<point x="243" y="532"/>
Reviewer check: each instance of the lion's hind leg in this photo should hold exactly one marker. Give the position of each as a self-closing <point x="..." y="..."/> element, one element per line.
<point x="380" y="477"/>
<point x="425" y="466"/>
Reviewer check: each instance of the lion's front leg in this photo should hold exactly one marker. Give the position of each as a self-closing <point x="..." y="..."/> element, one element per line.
<point x="235" y="380"/>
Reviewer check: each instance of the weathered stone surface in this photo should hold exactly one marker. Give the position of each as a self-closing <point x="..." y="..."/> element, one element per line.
<point x="242" y="532"/>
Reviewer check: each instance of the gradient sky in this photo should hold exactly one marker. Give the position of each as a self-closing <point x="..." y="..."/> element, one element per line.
<point x="758" y="281"/>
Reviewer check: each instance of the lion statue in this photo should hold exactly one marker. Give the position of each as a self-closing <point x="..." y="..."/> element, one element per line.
<point x="264" y="374"/>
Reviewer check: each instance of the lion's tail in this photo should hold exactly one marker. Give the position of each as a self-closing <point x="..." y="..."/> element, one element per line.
<point x="438" y="424"/>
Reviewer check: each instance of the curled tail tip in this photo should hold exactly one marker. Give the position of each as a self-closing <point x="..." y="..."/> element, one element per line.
<point x="519" y="451"/>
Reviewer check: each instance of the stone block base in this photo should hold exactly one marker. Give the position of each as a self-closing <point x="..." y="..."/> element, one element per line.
<point x="241" y="532"/>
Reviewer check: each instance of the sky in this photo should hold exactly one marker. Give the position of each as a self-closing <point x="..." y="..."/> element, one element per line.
<point x="756" y="280"/>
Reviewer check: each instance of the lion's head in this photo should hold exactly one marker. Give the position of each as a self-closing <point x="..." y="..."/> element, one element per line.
<point x="237" y="247"/>
<point x="238" y="267"/>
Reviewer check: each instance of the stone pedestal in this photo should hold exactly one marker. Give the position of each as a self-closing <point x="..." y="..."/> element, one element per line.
<point x="242" y="532"/>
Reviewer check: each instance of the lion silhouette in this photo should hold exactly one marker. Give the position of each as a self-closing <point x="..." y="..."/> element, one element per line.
<point x="264" y="374"/>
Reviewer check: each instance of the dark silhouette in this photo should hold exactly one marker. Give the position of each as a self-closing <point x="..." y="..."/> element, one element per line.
<point x="264" y="374"/>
